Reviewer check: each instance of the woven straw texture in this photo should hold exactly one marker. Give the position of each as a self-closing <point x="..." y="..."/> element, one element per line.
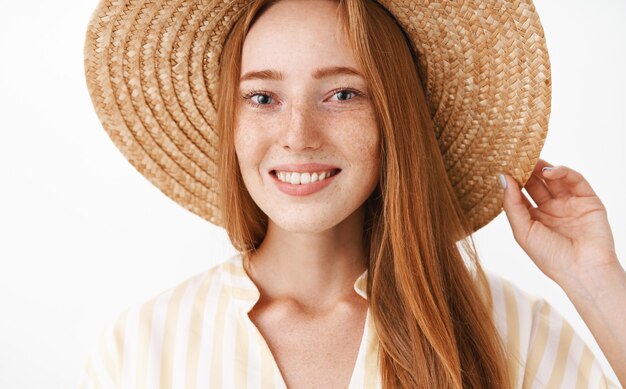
<point x="151" y="69"/>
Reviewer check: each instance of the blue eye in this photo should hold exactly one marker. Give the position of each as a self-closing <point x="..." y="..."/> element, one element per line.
<point x="343" y="93"/>
<point x="264" y="99"/>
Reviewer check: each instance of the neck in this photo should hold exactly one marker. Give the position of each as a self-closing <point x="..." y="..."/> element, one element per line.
<point x="316" y="271"/>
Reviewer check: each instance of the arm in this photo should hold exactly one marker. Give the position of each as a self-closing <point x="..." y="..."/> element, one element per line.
<point x="600" y="299"/>
<point x="569" y="238"/>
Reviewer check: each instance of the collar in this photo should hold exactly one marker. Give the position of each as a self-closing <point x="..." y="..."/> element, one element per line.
<point x="245" y="292"/>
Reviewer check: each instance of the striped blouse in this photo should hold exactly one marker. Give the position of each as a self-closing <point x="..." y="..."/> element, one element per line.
<point x="198" y="335"/>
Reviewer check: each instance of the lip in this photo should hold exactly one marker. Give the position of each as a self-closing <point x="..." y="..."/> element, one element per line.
<point x="303" y="167"/>
<point x="302" y="189"/>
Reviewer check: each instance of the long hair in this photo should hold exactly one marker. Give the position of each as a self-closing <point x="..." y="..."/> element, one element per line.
<point x="428" y="302"/>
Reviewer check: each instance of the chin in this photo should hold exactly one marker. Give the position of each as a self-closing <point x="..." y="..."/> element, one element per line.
<point x="307" y="222"/>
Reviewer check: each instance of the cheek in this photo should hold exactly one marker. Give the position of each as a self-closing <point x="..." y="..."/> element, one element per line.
<point x="248" y="144"/>
<point x="360" y="140"/>
<point x="242" y="145"/>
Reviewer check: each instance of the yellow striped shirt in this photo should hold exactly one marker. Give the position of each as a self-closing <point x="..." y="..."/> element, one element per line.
<point x="198" y="335"/>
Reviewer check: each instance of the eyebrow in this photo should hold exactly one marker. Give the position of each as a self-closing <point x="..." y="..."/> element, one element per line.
<point x="317" y="74"/>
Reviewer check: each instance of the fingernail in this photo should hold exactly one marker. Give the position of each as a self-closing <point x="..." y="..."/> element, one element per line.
<point x="502" y="180"/>
<point x="547" y="168"/>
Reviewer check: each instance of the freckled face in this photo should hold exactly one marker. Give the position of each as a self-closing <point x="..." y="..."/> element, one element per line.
<point x="303" y="117"/>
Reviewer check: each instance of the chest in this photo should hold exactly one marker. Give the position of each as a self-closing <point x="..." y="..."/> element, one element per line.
<point x="313" y="352"/>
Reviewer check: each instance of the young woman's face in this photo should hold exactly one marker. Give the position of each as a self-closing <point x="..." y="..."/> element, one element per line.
<point x="305" y="115"/>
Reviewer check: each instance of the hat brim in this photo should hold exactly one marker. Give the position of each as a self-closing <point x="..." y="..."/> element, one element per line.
<point x="151" y="70"/>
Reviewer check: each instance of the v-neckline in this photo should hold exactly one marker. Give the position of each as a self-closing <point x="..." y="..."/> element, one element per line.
<point x="250" y="295"/>
<point x="357" y="363"/>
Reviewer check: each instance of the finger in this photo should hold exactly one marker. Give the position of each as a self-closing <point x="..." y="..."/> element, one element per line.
<point x="516" y="209"/>
<point x="557" y="188"/>
<point x="538" y="190"/>
<point x="567" y="182"/>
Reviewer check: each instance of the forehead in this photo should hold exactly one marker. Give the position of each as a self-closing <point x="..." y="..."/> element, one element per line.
<point x="292" y="35"/>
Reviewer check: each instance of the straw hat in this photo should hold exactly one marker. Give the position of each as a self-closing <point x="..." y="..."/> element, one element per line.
<point x="151" y="69"/>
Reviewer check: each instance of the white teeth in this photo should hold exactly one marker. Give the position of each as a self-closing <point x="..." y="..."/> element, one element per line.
<point x="296" y="178"/>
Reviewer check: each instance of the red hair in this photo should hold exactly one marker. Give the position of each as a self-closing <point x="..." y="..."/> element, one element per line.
<point x="428" y="304"/>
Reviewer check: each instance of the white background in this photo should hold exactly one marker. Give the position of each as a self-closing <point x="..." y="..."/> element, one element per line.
<point x="83" y="235"/>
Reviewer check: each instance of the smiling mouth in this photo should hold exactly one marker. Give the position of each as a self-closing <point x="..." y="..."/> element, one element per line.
<point x="303" y="178"/>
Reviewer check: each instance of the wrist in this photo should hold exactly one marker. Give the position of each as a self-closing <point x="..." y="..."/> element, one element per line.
<point x="594" y="282"/>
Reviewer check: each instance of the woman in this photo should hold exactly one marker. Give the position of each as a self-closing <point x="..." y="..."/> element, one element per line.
<point x="334" y="166"/>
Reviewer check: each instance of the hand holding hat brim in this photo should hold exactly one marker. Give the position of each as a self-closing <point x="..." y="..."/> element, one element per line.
<point x="568" y="233"/>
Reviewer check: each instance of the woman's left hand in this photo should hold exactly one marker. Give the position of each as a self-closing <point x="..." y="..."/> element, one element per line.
<point x="568" y="234"/>
<point x="569" y="238"/>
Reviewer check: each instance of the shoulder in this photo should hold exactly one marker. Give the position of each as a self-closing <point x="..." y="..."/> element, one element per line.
<point x="542" y="347"/>
<point x="189" y="297"/>
<point x="158" y="326"/>
<point x="512" y="305"/>
<point x="170" y="301"/>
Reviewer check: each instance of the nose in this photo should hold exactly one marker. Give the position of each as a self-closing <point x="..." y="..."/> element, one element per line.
<point x="302" y="129"/>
